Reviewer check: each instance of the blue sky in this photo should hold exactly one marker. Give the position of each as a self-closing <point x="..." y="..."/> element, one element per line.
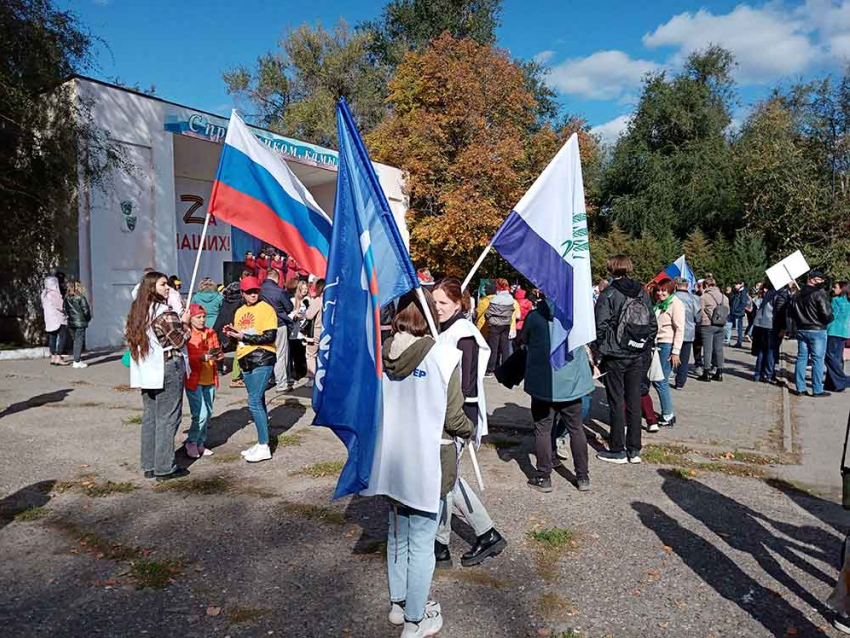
<point x="597" y="51"/>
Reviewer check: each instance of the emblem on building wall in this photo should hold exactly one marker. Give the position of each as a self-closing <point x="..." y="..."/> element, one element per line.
<point x="128" y="218"/>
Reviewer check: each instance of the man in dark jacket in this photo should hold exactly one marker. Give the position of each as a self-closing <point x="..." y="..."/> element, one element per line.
<point x="276" y="297"/>
<point x="738" y="303"/>
<point x="624" y="330"/>
<point x="555" y="394"/>
<point x="811" y="311"/>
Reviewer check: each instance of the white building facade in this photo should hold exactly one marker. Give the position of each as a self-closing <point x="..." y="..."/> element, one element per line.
<point x="153" y="215"/>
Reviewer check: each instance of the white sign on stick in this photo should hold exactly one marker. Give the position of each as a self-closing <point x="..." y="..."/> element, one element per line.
<point x="787" y="270"/>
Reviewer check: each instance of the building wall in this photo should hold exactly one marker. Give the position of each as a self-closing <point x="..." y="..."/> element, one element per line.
<point x="133" y="224"/>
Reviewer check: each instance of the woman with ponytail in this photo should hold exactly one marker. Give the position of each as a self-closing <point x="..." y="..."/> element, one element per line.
<point x="459" y="332"/>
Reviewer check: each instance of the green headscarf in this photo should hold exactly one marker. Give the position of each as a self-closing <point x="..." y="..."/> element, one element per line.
<point x="663" y="305"/>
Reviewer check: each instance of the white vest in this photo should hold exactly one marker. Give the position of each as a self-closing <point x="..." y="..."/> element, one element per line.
<point x="461" y="329"/>
<point x="406" y="466"/>
<point x="149" y="372"/>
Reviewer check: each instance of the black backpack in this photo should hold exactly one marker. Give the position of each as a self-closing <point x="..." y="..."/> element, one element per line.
<point x="634" y="325"/>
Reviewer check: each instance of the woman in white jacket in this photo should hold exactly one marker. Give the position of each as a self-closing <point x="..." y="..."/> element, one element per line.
<point x="157" y="338"/>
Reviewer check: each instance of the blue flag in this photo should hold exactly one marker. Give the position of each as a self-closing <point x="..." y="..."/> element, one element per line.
<point x="368" y="266"/>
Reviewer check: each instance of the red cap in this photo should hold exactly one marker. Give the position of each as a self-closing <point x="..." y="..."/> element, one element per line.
<point x="249" y="283"/>
<point x="196" y="309"/>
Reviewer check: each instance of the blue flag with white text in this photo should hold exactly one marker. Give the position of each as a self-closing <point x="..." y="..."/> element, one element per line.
<point x="368" y="266"/>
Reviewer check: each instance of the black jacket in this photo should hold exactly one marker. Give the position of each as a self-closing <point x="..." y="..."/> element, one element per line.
<point x="468" y="368"/>
<point x="780" y="308"/>
<point x="277" y="298"/>
<point x="608" y="308"/>
<point x="231" y="300"/>
<point x="78" y="311"/>
<point x="812" y="309"/>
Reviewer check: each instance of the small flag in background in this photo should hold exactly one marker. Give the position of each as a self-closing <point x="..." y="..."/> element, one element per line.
<point x="545" y="238"/>
<point x="257" y="192"/>
<point x="678" y="268"/>
<point x="368" y="266"/>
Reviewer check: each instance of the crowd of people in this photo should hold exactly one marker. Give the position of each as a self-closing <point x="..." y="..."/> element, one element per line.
<point x="649" y="336"/>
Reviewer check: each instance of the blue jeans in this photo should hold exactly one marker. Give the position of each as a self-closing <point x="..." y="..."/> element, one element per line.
<point x="256" y="382"/>
<point x="663" y="386"/>
<point x="810" y="343"/>
<point x="837" y="380"/>
<point x="732" y="323"/>
<point x="410" y="559"/>
<point x="201" y="404"/>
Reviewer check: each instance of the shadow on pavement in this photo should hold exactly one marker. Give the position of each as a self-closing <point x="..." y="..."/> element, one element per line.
<point x="827" y="511"/>
<point x="36" y="402"/>
<point x="31" y="496"/>
<point x="750" y="532"/>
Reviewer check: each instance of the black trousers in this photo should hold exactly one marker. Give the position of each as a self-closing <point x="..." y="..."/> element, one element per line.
<point x="497" y="339"/>
<point x="622" y="386"/>
<point x="682" y="371"/>
<point x="545" y="414"/>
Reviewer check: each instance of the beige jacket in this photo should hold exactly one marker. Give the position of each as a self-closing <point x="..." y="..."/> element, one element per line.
<point x="711" y="298"/>
<point x="671" y="325"/>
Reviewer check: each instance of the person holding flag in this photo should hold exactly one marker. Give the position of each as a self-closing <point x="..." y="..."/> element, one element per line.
<point x="392" y="410"/>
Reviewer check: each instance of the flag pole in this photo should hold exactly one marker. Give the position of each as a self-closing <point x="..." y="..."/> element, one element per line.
<point x="433" y="326"/>
<point x="475" y="267"/>
<point x="198" y="259"/>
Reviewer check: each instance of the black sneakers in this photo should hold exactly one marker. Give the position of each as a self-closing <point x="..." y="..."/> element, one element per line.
<point x="540" y="484"/>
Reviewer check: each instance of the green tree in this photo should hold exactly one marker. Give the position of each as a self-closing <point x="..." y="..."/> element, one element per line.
<point x="294" y="91"/>
<point x="674" y="168"/>
<point x="748" y="258"/>
<point x="48" y="145"/>
<point x="698" y="252"/>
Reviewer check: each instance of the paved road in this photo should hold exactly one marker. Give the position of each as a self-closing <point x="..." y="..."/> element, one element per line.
<point x="657" y="551"/>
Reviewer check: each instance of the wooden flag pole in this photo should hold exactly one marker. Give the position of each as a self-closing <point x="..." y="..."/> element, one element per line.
<point x="198" y="260"/>
<point x="475" y="267"/>
<point x="433" y="326"/>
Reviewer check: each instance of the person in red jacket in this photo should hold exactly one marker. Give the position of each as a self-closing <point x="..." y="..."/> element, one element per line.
<point x="278" y="265"/>
<point x="524" y="308"/>
<point x="251" y="262"/>
<point x="204" y="352"/>
<point x="291" y="270"/>
<point x="262" y="266"/>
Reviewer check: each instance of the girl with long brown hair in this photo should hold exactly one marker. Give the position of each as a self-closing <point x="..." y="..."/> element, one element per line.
<point x="460" y="333"/>
<point x="157" y="338"/>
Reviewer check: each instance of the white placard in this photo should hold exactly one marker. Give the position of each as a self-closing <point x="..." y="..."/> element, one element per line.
<point x="787" y="270"/>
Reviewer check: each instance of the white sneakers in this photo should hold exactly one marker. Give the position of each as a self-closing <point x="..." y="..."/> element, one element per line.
<point x="249" y="450"/>
<point x="257" y="453"/>
<point x="652" y="427"/>
<point x="430" y="624"/>
<point x="396" y="615"/>
<point x="80" y="364"/>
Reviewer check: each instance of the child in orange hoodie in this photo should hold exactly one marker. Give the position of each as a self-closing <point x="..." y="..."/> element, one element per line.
<point x="204" y="351"/>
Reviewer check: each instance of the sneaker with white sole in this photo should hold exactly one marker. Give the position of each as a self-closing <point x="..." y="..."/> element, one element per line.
<point x="205" y="451"/>
<point x="396" y="615"/>
<point x="634" y="459"/>
<point x="249" y="450"/>
<point x="259" y="453"/>
<point x="80" y="365"/>
<point x="562" y="448"/>
<point x="430" y="625"/>
<point x="652" y="427"/>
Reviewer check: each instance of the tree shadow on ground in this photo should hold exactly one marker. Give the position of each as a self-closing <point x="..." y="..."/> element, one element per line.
<point x="36" y="402"/>
<point x="748" y="531"/>
<point x="31" y="496"/>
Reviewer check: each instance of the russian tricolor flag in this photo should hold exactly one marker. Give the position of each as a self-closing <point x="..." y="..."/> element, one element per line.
<point x="545" y="238"/>
<point x="678" y="268"/>
<point x="257" y="192"/>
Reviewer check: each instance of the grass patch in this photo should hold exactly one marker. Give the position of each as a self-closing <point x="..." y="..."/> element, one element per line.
<point x="553" y="537"/>
<point x="684" y="473"/>
<point x="555" y="607"/>
<point x="26" y="515"/>
<point x="314" y="513"/>
<point x="213" y="485"/>
<point x="98" y="490"/>
<point x="664" y="454"/>
<point x="226" y="457"/>
<point x="569" y="633"/>
<point x="732" y="469"/>
<point x="471" y="577"/>
<point x="238" y="614"/>
<point x="321" y="469"/>
<point x="290" y="440"/>
<point x="97" y="545"/>
<point x="136" y="419"/>
<point x="154" y="574"/>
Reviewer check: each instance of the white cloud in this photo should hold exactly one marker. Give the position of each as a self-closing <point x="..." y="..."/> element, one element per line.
<point x="604" y="75"/>
<point x="832" y="20"/>
<point x="610" y="131"/>
<point x="767" y="43"/>
<point x="544" y="56"/>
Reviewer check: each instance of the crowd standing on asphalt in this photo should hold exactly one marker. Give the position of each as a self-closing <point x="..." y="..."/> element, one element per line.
<point x="649" y="336"/>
